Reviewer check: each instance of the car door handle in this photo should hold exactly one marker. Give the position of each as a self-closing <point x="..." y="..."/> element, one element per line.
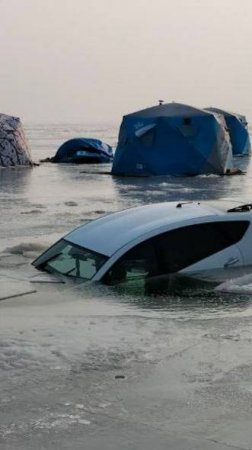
<point x="231" y="261"/>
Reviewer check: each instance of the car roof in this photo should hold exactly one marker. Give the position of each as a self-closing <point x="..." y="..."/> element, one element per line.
<point x="112" y="232"/>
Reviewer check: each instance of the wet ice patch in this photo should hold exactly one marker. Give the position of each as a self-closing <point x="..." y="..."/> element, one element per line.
<point x="112" y="360"/>
<point x="52" y="421"/>
<point x="38" y="205"/>
<point x="71" y="203"/>
<point x="61" y="421"/>
<point x="25" y="249"/>
<point x="231" y="337"/>
<point x="11" y="261"/>
<point x="99" y="211"/>
<point x="19" y="354"/>
<point x="32" y="211"/>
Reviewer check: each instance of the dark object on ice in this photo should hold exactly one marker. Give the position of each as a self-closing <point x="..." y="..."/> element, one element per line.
<point x="14" y="150"/>
<point x="172" y="139"/>
<point x="235" y="171"/>
<point x="95" y="172"/>
<point x="83" y="151"/>
<point x="21" y="294"/>
<point x="238" y="130"/>
<point x="241" y="208"/>
<point x="119" y="377"/>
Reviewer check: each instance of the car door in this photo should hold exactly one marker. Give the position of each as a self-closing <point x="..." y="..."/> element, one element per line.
<point x="134" y="266"/>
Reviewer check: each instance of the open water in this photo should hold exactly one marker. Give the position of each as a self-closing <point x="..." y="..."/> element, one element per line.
<point x="104" y="368"/>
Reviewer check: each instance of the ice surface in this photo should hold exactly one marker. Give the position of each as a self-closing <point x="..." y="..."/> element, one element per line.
<point x="99" y="368"/>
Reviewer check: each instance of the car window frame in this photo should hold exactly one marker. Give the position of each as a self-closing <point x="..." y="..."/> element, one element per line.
<point x="114" y="259"/>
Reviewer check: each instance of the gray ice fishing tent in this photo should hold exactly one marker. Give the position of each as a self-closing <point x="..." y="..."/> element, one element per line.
<point x="14" y="150"/>
<point x="238" y="129"/>
<point x="172" y="139"/>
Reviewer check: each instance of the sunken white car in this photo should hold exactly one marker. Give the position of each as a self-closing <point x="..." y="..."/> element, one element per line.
<point x="152" y="241"/>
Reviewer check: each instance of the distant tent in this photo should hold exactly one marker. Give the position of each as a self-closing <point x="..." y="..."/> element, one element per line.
<point x="14" y="150"/>
<point x="238" y="130"/>
<point x="83" y="150"/>
<point x="172" y="139"/>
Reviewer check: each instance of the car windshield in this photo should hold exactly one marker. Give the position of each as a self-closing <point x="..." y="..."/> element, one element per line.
<point x="70" y="260"/>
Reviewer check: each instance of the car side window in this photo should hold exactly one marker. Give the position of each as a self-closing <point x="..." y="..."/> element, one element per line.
<point x="184" y="246"/>
<point x="139" y="262"/>
<point x="174" y="250"/>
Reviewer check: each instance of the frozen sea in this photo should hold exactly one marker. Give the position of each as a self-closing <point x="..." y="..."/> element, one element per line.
<point x="97" y="368"/>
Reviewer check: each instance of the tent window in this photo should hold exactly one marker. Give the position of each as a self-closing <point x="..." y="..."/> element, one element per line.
<point x="147" y="138"/>
<point x="187" y="121"/>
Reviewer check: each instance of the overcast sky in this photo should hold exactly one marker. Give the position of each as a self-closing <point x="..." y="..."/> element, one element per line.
<point x="95" y="60"/>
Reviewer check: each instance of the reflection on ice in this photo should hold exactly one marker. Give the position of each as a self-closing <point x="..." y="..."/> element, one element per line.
<point x="181" y="296"/>
<point x="14" y="180"/>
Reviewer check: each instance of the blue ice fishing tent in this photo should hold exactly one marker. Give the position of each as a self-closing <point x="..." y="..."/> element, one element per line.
<point x="238" y="129"/>
<point x="83" y="151"/>
<point x="172" y="139"/>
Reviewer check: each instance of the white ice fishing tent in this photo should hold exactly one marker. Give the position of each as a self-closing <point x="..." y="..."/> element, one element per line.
<point x="14" y="149"/>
